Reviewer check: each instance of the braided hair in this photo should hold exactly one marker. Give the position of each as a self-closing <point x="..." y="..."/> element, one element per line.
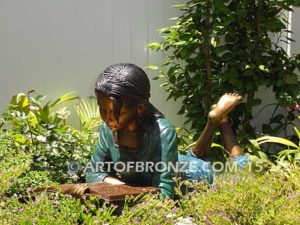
<point x="126" y="85"/>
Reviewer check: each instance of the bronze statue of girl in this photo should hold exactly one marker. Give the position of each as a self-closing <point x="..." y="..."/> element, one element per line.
<point x="135" y="135"/>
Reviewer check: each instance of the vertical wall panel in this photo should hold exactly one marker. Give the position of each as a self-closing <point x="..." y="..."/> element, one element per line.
<point x="138" y="32"/>
<point x="57" y="46"/>
<point x="121" y="26"/>
<point x="19" y="45"/>
<point x="295" y="46"/>
<point x="156" y="20"/>
<point x="172" y="107"/>
<point x="95" y="42"/>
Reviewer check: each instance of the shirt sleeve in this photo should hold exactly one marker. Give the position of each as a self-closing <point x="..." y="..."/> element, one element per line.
<point x="169" y="156"/>
<point x="96" y="171"/>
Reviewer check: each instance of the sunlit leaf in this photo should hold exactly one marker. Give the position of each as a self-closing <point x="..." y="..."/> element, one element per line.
<point x="88" y="112"/>
<point x="64" y="98"/>
<point x="152" y="67"/>
<point x="214" y="42"/>
<point x="154" y="45"/>
<point x="278" y="140"/>
<point x="263" y="68"/>
<point x="178" y="6"/>
<point x="20" y="138"/>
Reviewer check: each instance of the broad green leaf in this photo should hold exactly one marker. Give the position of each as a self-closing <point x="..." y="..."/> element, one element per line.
<point x="164" y="30"/>
<point x="20" y="138"/>
<point x="154" y="46"/>
<point x="20" y="101"/>
<point x="278" y="140"/>
<point x="32" y="119"/>
<point x="179" y="43"/>
<point x="64" y="98"/>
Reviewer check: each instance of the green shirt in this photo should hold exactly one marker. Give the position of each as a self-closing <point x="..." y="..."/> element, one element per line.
<point x="158" y="144"/>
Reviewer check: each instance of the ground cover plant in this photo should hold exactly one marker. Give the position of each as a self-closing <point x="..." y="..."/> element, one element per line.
<point x="30" y="132"/>
<point x="216" y="46"/>
<point x="271" y="198"/>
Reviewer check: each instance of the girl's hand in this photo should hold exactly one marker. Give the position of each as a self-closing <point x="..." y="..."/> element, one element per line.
<point x="112" y="180"/>
<point x="79" y="190"/>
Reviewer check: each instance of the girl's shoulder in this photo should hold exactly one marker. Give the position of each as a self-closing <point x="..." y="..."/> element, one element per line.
<point x="164" y="123"/>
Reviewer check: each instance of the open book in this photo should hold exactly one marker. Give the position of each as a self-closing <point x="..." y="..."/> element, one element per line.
<point x="104" y="191"/>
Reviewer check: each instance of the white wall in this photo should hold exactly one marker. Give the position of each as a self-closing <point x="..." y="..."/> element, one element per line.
<point x="295" y="46"/>
<point x="57" y="46"/>
<point x="266" y="94"/>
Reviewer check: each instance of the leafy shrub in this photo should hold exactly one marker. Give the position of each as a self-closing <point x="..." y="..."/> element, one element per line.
<point x="42" y="133"/>
<point x="216" y="47"/>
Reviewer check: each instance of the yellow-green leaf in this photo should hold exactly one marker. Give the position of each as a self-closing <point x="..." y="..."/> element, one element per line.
<point x="179" y="43"/>
<point x="297" y="132"/>
<point x="263" y="68"/>
<point x="214" y="42"/>
<point x="278" y="140"/>
<point x="217" y="145"/>
<point x="20" y="138"/>
<point x="178" y="6"/>
<point x="152" y="67"/>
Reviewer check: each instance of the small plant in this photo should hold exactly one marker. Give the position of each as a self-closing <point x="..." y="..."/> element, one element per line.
<point x="88" y="112"/>
<point x="290" y="151"/>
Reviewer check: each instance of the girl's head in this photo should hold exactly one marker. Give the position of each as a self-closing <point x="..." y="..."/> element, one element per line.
<point x="123" y="92"/>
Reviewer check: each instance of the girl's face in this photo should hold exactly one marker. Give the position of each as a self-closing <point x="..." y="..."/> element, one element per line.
<point x="127" y="119"/>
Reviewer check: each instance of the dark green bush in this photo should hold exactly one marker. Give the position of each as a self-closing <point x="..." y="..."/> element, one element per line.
<point x="218" y="46"/>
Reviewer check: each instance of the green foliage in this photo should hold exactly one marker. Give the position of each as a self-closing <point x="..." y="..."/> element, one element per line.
<point x="40" y="132"/>
<point x="270" y="198"/>
<point x="13" y="163"/>
<point x="222" y="46"/>
<point x="36" y="144"/>
<point x="290" y="151"/>
<point x="279" y="123"/>
<point x="244" y="198"/>
<point x="88" y="112"/>
<point x="41" y="210"/>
